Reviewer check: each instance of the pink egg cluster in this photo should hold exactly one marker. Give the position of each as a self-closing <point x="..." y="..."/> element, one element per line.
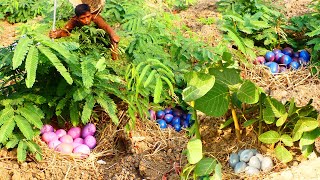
<point x="76" y="140"/>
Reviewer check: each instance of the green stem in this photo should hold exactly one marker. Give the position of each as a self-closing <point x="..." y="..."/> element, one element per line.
<point x="196" y="122"/>
<point x="261" y="117"/>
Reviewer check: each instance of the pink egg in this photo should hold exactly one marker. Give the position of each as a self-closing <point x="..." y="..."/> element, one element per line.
<point x="66" y="139"/>
<point x="64" y="148"/>
<point x="49" y="136"/>
<point x="60" y="133"/>
<point x="82" y="150"/>
<point x="74" y="132"/>
<point x="90" y="141"/>
<point x="78" y="140"/>
<point x="46" y="128"/>
<point x="75" y="144"/>
<point x="53" y="144"/>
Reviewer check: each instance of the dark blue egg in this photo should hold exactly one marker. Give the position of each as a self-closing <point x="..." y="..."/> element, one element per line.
<point x="286" y="60"/>
<point x="176" y="120"/>
<point x="168" y="118"/>
<point x="186" y="124"/>
<point x="168" y="110"/>
<point x="274" y="67"/>
<point x="152" y="114"/>
<point x="295" y="65"/>
<point x="188" y="117"/>
<point x="269" y="56"/>
<point x="162" y="123"/>
<point x="177" y="127"/>
<point x="276" y="51"/>
<point x="288" y="51"/>
<point x="177" y="112"/>
<point x="160" y="114"/>
<point x="296" y="55"/>
<point x="305" y="56"/>
<point x="278" y="57"/>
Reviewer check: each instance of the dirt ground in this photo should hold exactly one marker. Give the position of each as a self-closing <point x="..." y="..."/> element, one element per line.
<point x="151" y="153"/>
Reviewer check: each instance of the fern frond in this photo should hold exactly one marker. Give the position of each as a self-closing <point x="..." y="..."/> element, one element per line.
<point x="164" y="72"/>
<point x="87" y="109"/>
<point x="158" y="90"/>
<point x="37" y="99"/>
<point x="236" y="38"/>
<point x="20" y="52"/>
<point x="35" y="148"/>
<point x="169" y="84"/>
<point x="88" y="71"/>
<point x="12" y="143"/>
<point x="150" y="78"/>
<point x="74" y="113"/>
<point x="6" y="114"/>
<point x="6" y="129"/>
<point x="109" y="106"/>
<point x="31" y="66"/>
<point x="22" y="151"/>
<point x="56" y="63"/>
<point x="33" y="114"/>
<point x="80" y="94"/>
<point x="61" y="104"/>
<point x="101" y="64"/>
<point x="24" y="127"/>
<point x="110" y="77"/>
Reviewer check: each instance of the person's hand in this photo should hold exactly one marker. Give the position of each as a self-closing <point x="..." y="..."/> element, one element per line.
<point x="53" y="34"/>
<point x="115" y="38"/>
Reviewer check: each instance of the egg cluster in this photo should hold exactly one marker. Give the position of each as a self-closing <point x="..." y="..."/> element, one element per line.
<point x="171" y="118"/>
<point x="76" y="140"/>
<point x="280" y="60"/>
<point x="250" y="161"/>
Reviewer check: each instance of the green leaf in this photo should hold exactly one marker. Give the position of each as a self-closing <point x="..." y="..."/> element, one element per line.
<point x="22" y="151"/>
<point x="157" y="91"/>
<point x="313" y="33"/>
<point x="268" y="115"/>
<point x="87" y="109"/>
<point x="150" y="78"/>
<point x="307" y="150"/>
<point x="88" y="70"/>
<point x="236" y="38"/>
<point x="283" y="154"/>
<point x="20" y="52"/>
<point x="250" y="122"/>
<point x="269" y="137"/>
<point x="33" y="114"/>
<point x="80" y="94"/>
<point x="31" y="66"/>
<point x="12" y="143"/>
<point x="227" y="76"/>
<point x="7" y="129"/>
<point x="194" y="151"/>
<point x="308" y="138"/>
<point x="56" y="63"/>
<point x="35" y="148"/>
<point x="205" y="166"/>
<point x="74" y="113"/>
<point x="276" y="106"/>
<point x="60" y="49"/>
<point x="226" y="56"/>
<point x="198" y="84"/>
<point x="24" y="127"/>
<point x="6" y="114"/>
<point x="287" y="140"/>
<point x="227" y="123"/>
<point x="248" y="93"/>
<point x="169" y="84"/>
<point x="282" y="120"/>
<point x="101" y="64"/>
<point x="215" y="102"/>
<point x="304" y="124"/>
<point x="109" y="106"/>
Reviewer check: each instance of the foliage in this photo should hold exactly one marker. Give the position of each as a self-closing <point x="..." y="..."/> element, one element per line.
<point x="250" y="25"/>
<point x="198" y="165"/>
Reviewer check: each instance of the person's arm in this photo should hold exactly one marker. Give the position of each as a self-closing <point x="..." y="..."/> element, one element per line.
<point x="71" y="24"/>
<point x="101" y="23"/>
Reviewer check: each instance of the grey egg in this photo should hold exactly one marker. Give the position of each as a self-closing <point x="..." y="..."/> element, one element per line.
<point x="233" y="159"/>
<point x="251" y="171"/>
<point x="240" y="167"/>
<point x="254" y="162"/>
<point x="266" y="164"/>
<point x="246" y="155"/>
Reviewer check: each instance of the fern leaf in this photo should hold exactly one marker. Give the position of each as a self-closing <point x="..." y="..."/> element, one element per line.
<point x="149" y="79"/>
<point x="101" y="64"/>
<point x="22" y="151"/>
<point x="24" y="126"/>
<point x="80" y="94"/>
<point x="109" y="106"/>
<point x="33" y="114"/>
<point x="143" y="74"/>
<point x="169" y="84"/>
<point x="37" y="99"/>
<point x="56" y="63"/>
<point x="6" y="114"/>
<point x="12" y="143"/>
<point x="169" y="74"/>
<point x="62" y="103"/>
<point x="158" y="90"/>
<point x="236" y="38"/>
<point x="31" y="66"/>
<point x="6" y="129"/>
<point x="20" y="52"/>
<point x="157" y="63"/>
<point x="87" y="109"/>
<point x="88" y="71"/>
<point x="74" y="113"/>
<point x="35" y="148"/>
<point x="110" y="77"/>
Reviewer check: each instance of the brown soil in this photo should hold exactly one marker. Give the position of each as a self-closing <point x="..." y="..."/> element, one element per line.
<point x="148" y="152"/>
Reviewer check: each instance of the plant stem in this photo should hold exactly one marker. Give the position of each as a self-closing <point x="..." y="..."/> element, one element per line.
<point x="196" y="123"/>
<point x="236" y="123"/>
<point x="260" y="117"/>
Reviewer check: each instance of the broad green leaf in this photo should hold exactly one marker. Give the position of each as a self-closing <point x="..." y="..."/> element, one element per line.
<point x="268" y="115"/>
<point x="198" y="84"/>
<point x="6" y="129"/>
<point x="309" y="137"/>
<point x="248" y="93"/>
<point x="215" y="102"/>
<point x="229" y="77"/>
<point x="24" y="127"/>
<point x="283" y="154"/>
<point x="306" y="150"/>
<point x="226" y="56"/>
<point x="205" y="166"/>
<point x="276" y="106"/>
<point x="157" y="91"/>
<point x="194" y="153"/>
<point x="282" y="120"/>
<point x="31" y="66"/>
<point x="22" y="151"/>
<point x="218" y="172"/>
<point x="260" y="24"/>
<point x="287" y="140"/>
<point x="269" y="137"/>
<point x="304" y="124"/>
<point x="20" y="52"/>
<point x="292" y="107"/>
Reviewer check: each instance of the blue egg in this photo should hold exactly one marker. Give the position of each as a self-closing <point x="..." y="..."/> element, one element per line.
<point x="296" y="54"/>
<point x="185" y="124"/>
<point x="177" y="112"/>
<point x="177" y="127"/>
<point x="274" y="67"/>
<point x="295" y="65"/>
<point x="168" y="118"/>
<point x="188" y="117"/>
<point x="160" y="114"/>
<point x="176" y="120"/>
<point x="168" y="111"/>
<point x="270" y="56"/>
<point x="162" y="123"/>
<point x="278" y="57"/>
<point x="288" y="51"/>
<point x="304" y="56"/>
<point x="276" y="51"/>
<point x="286" y="60"/>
